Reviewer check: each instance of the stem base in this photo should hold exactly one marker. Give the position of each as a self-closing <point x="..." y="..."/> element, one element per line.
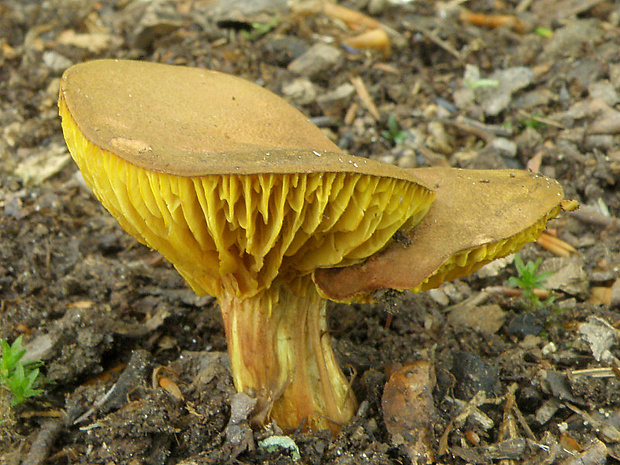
<point x="281" y="354"/>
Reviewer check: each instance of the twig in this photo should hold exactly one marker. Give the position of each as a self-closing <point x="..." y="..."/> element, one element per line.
<point x="354" y="19"/>
<point x="467" y="409"/>
<point x="486" y="132"/>
<point x="523" y="6"/>
<point x="493" y="21"/>
<point x="606" y="429"/>
<point x="437" y="41"/>
<point x="364" y="96"/>
<point x="50" y="430"/>
<point x="555" y="245"/>
<point x="589" y="215"/>
<point x="603" y="372"/>
<point x="520" y="418"/>
<point x="542" y="119"/>
<point x="514" y="292"/>
<point x="96" y="405"/>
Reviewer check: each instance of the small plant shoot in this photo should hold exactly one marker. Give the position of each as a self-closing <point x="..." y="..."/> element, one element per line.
<point x="394" y="133"/>
<point x="20" y="378"/>
<point x="260" y="29"/>
<point x="528" y="280"/>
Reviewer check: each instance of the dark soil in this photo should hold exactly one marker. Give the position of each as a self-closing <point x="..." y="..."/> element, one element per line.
<point x="135" y="364"/>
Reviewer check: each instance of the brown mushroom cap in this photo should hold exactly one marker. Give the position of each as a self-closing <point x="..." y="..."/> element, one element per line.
<point x="193" y="122"/>
<point x="226" y="179"/>
<point x="477" y="216"/>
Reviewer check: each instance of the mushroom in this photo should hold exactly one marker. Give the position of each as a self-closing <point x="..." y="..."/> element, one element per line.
<point x="246" y="198"/>
<point x="250" y="201"/>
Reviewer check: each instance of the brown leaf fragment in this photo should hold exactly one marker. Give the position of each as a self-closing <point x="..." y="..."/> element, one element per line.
<point x="595" y="454"/>
<point x="409" y="410"/>
<point x="375" y="39"/>
<point x="354" y="19"/>
<point x="492" y="21"/>
<point x="365" y="97"/>
<point x="569" y="443"/>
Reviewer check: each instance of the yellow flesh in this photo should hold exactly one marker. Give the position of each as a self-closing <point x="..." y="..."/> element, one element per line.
<point x="466" y="262"/>
<point x="248" y="228"/>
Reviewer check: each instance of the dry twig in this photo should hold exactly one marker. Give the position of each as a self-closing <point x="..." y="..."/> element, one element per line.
<point x="364" y="96"/>
<point x="555" y="245"/>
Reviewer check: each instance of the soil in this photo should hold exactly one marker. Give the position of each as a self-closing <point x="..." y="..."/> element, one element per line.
<point x="135" y="364"/>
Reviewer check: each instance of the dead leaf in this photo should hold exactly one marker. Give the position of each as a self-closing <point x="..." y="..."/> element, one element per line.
<point x="409" y="410"/>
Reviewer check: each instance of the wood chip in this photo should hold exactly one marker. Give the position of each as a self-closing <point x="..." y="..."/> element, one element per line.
<point x="493" y="21"/>
<point x="353" y="19"/>
<point x="364" y="96"/>
<point x="409" y="410"/>
<point x="555" y="245"/>
<point x="375" y="39"/>
<point x="595" y="454"/>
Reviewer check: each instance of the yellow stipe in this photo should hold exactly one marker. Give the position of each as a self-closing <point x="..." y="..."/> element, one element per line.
<point x="250" y="228"/>
<point x="468" y="261"/>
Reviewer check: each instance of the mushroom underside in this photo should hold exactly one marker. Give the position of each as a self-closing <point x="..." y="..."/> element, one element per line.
<point x="477" y="217"/>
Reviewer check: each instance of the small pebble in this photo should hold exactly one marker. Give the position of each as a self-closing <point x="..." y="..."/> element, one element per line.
<point x="473" y="375"/>
<point x="318" y="59"/>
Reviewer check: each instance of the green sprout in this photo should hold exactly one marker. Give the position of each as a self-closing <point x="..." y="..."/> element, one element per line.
<point x="260" y="29"/>
<point x="20" y="378"/>
<point x="393" y="132"/>
<point x="534" y="121"/>
<point x="474" y="84"/>
<point x="528" y="280"/>
<point x="544" y="32"/>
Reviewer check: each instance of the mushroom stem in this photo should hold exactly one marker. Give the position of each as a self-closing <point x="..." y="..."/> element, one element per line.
<point x="281" y="353"/>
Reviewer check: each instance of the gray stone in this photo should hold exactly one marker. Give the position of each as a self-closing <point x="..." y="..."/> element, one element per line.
<point x="318" y="59"/>
<point x="486" y="318"/>
<point x="496" y="99"/>
<point x="336" y="101"/>
<point x="604" y="90"/>
<point x="248" y="11"/>
<point x="300" y="91"/>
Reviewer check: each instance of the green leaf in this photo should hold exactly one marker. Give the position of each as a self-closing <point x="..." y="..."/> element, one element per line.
<point x="12" y="354"/>
<point x="19" y="377"/>
<point x="528" y="280"/>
